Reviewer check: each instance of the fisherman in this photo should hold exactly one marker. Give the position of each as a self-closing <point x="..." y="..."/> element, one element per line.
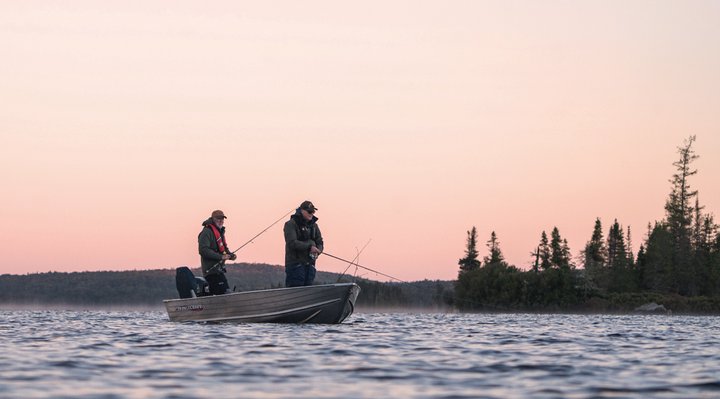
<point x="303" y="244"/>
<point x="214" y="252"/>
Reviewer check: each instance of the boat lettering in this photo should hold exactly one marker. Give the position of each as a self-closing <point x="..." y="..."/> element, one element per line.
<point x="193" y="308"/>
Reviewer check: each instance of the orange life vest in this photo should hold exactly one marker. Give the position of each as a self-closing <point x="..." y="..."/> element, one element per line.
<point x="219" y="239"/>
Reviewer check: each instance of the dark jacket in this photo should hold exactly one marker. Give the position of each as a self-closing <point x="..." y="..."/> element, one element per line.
<point x="209" y="249"/>
<point x="300" y="235"/>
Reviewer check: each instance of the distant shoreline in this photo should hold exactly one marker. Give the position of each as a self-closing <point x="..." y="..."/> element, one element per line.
<point x="145" y="290"/>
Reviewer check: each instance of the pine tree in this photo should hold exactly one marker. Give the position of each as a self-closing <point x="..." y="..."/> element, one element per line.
<point x="640" y="267"/>
<point x="536" y="263"/>
<point x="679" y="204"/>
<point x="704" y="234"/>
<point x="631" y="257"/>
<point x="495" y="255"/>
<point x="559" y="253"/>
<point x="658" y="272"/>
<point x="620" y="279"/>
<point x="470" y="261"/>
<point x="544" y="251"/>
<point x="595" y="252"/>
<point x="566" y="253"/>
<point x="594" y="256"/>
<point x="679" y="211"/>
<point x="617" y="252"/>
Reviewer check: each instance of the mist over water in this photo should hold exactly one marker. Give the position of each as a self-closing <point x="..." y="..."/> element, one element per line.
<point x="125" y="354"/>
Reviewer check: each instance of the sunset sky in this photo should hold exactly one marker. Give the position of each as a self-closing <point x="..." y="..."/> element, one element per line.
<point x="123" y="124"/>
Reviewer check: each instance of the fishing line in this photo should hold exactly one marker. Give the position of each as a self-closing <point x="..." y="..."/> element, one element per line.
<point x="354" y="259"/>
<point x="363" y="267"/>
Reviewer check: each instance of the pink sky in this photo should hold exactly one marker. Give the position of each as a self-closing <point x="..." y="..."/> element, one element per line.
<point x="123" y="124"/>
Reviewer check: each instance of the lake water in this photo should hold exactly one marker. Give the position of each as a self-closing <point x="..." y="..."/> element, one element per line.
<point x="101" y="354"/>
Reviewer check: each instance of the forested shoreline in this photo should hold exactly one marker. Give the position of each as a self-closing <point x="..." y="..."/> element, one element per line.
<point x="147" y="288"/>
<point x="677" y="264"/>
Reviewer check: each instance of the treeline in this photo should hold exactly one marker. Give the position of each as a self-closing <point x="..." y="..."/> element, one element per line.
<point x="148" y="288"/>
<point x="678" y="262"/>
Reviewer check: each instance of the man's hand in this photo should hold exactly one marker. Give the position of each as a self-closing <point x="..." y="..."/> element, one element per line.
<point x="233" y="256"/>
<point x="225" y="257"/>
<point x="315" y="251"/>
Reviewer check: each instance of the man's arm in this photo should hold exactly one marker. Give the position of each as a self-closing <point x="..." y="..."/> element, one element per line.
<point x="205" y="247"/>
<point x="318" y="239"/>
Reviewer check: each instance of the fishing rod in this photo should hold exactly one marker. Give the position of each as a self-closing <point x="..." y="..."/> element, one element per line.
<point x="354" y="259"/>
<point x="251" y="240"/>
<point x="363" y="267"/>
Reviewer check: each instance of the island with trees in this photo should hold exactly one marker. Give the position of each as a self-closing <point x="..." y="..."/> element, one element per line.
<point x="677" y="265"/>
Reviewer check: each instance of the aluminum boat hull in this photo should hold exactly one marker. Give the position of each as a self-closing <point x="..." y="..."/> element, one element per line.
<point x="326" y="304"/>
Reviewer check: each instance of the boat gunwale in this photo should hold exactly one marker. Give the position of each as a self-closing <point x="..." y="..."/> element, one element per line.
<point x="232" y="294"/>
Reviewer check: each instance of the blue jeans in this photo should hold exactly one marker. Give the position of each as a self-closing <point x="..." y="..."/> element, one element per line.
<point x="299" y="274"/>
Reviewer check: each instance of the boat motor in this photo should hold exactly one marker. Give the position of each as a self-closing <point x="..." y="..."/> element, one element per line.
<point x="189" y="285"/>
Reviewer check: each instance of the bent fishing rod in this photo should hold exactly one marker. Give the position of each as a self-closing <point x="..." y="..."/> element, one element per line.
<point x="251" y="240"/>
<point x="363" y="267"/>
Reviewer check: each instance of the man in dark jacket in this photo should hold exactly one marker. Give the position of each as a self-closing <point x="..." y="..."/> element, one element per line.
<point x="303" y="244"/>
<point x="214" y="252"/>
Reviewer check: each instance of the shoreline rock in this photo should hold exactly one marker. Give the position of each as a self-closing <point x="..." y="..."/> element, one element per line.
<point x="652" y="308"/>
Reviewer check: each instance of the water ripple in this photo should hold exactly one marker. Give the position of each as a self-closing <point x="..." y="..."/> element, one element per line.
<point x="94" y="354"/>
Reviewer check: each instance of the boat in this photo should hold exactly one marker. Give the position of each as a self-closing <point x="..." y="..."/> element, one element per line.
<point x="324" y="304"/>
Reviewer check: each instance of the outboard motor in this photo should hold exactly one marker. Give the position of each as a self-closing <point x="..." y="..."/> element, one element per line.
<point x="188" y="285"/>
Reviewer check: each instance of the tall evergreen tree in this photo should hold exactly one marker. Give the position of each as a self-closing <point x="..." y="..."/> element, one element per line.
<point x="536" y="263"/>
<point x="658" y="271"/>
<point x="470" y="261"/>
<point x="617" y="252"/>
<point x="678" y="207"/>
<point x="595" y="253"/>
<point x="639" y="272"/>
<point x="559" y="252"/>
<point x="544" y="252"/>
<point x="495" y="254"/>
<point x="621" y="279"/>
<point x="566" y="253"/>
<point x="679" y="211"/>
<point x="703" y="238"/>
<point x="594" y="256"/>
<point x="631" y="256"/>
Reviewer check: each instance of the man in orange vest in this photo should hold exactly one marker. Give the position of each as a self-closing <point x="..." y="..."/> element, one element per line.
<point x="214" y="252"/>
